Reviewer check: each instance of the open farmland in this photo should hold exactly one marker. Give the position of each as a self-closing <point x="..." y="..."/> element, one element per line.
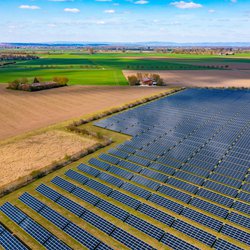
<point x="24" y="111"/>
<point x="20" y="158"/>
<point x="201" y="78"/>
<point x="106" y="68"/>
<point x="181" y="182"/>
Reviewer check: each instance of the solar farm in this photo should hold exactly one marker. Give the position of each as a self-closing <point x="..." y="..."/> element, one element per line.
<point x="180" y="182"/>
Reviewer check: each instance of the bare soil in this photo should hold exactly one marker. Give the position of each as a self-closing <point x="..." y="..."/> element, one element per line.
<point x="22" y="112"/>
<point x="22" y="157"/>
<point x="201" y="78"/>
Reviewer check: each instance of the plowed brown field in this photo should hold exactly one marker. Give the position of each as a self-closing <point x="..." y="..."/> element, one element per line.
<point x="24" y="111"/>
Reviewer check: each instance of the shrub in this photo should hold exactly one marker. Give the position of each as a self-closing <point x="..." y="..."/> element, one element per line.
<point x="133" y="80"/>
<point x="61" y="80"/>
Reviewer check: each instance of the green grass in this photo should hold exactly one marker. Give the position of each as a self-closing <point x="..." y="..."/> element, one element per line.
<point x="106" y="68"/>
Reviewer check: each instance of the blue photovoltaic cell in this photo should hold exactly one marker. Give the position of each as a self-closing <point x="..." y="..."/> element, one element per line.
<point x="9" y="241"/>
<point x="192" y="147"/>
<point x="236" y="234"/>
<point x="33" y="228"/>
<point x="89" y="170"/>
<point x="239" y="219"/>
<point x="209" y="207"/>
<point x="177" y="243"/>
<point x="194" y="232"/>
<point x="202" y="219"/>
<point x="171" y="205"/>
<point x="156" y="214"/>
<point x="174" y="193"/>
<point x="129" y="240"/>
<point x="145" y="227"/>
<point x="125" y="199"/>
<point x="99" y="164"/>
<point x="242" y="207"/>
<point x="136" y="190"/>
<point x="221" y="244"/>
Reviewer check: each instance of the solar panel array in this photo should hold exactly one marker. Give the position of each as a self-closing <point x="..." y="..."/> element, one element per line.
<point x="183" y="180"/>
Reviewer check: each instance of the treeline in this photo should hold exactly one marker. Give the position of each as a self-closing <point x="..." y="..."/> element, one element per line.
<point x="37" y="83"/>
<point x="204" y="51"/>
<point x="17" y="57"/>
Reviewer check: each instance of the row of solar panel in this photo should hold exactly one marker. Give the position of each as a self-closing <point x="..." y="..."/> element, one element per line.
<point x="195" y="180"/>
<point x="8" y="241"/>
<point x="197" y="221"/>
<point x="42" y="235"/>
<point x="122" y="214"/>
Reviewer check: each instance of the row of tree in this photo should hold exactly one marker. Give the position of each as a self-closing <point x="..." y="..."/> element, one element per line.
<point x="139" y="79"/>
<point x="37" y="83"/>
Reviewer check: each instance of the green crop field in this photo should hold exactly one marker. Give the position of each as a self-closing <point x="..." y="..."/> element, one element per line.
<point x="106" y="68"/>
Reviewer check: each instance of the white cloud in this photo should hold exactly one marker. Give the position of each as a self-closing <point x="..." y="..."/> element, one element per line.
<point x="72" y="10"/>
<point x="103" y="0"/>
<point x="109" y="11"/>
<point x="186" y="5"/>
<point x="141" y="2"/>
<point x="211" y="11"/>
<point x="29" y="7"/>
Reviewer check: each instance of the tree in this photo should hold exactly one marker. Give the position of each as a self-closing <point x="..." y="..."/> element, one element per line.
<point x="91" y="51"/>
<point x="61" y="80"/>
<point x="133" y="80"/>
<point x="36" y="80"/>
<point x="24" y="80"/>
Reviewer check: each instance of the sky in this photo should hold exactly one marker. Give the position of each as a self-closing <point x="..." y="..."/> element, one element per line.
<point x="125" y="20"/>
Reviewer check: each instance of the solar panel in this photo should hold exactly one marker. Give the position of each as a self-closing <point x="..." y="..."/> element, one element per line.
<point x="111" y="179"/>
<point x="31" y="227"/>
<point x="209" y="207"/>
<point x="215" y="197"/>
<point x="221" y="188"/>
<point x="138" y="160"/>
<point x="171" y="205"/>
<point x="154" y="175"/>
<point x="121" y="172"/>
<point x="99" y="187"/>
<point x="136" y="190"/>
<point x="177" y="243"/>
<point x="113" y="210"/>
<point x="77" y="177"/>
<point x="130" y="166"/>
<point x="109" y="158"/>
<point x="156" y="214"/>
<point x="89" y="170"/>
<point x="244" y="196"/>
<point x="99" y="164"/>
<point x="242" y="207"/>
<point x="221" y="244"/>
<point x="202" y="219"/>
<point x="9" y="241"/>
<point x="145" y="182"/>
<point x="194" y="232"/>
<point x="162" y="168"/>
<point x="236" y="234"/>
<point x="239" y="219"/>
<point x="175" y="193"/>
<point x="189" y="177"/>
<point x="129" y="240"/>
<point x="145" y="227"/>
<point x="118" y="153"/>
<point x="183" y="185"/>
<point x="125" y="199"/>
